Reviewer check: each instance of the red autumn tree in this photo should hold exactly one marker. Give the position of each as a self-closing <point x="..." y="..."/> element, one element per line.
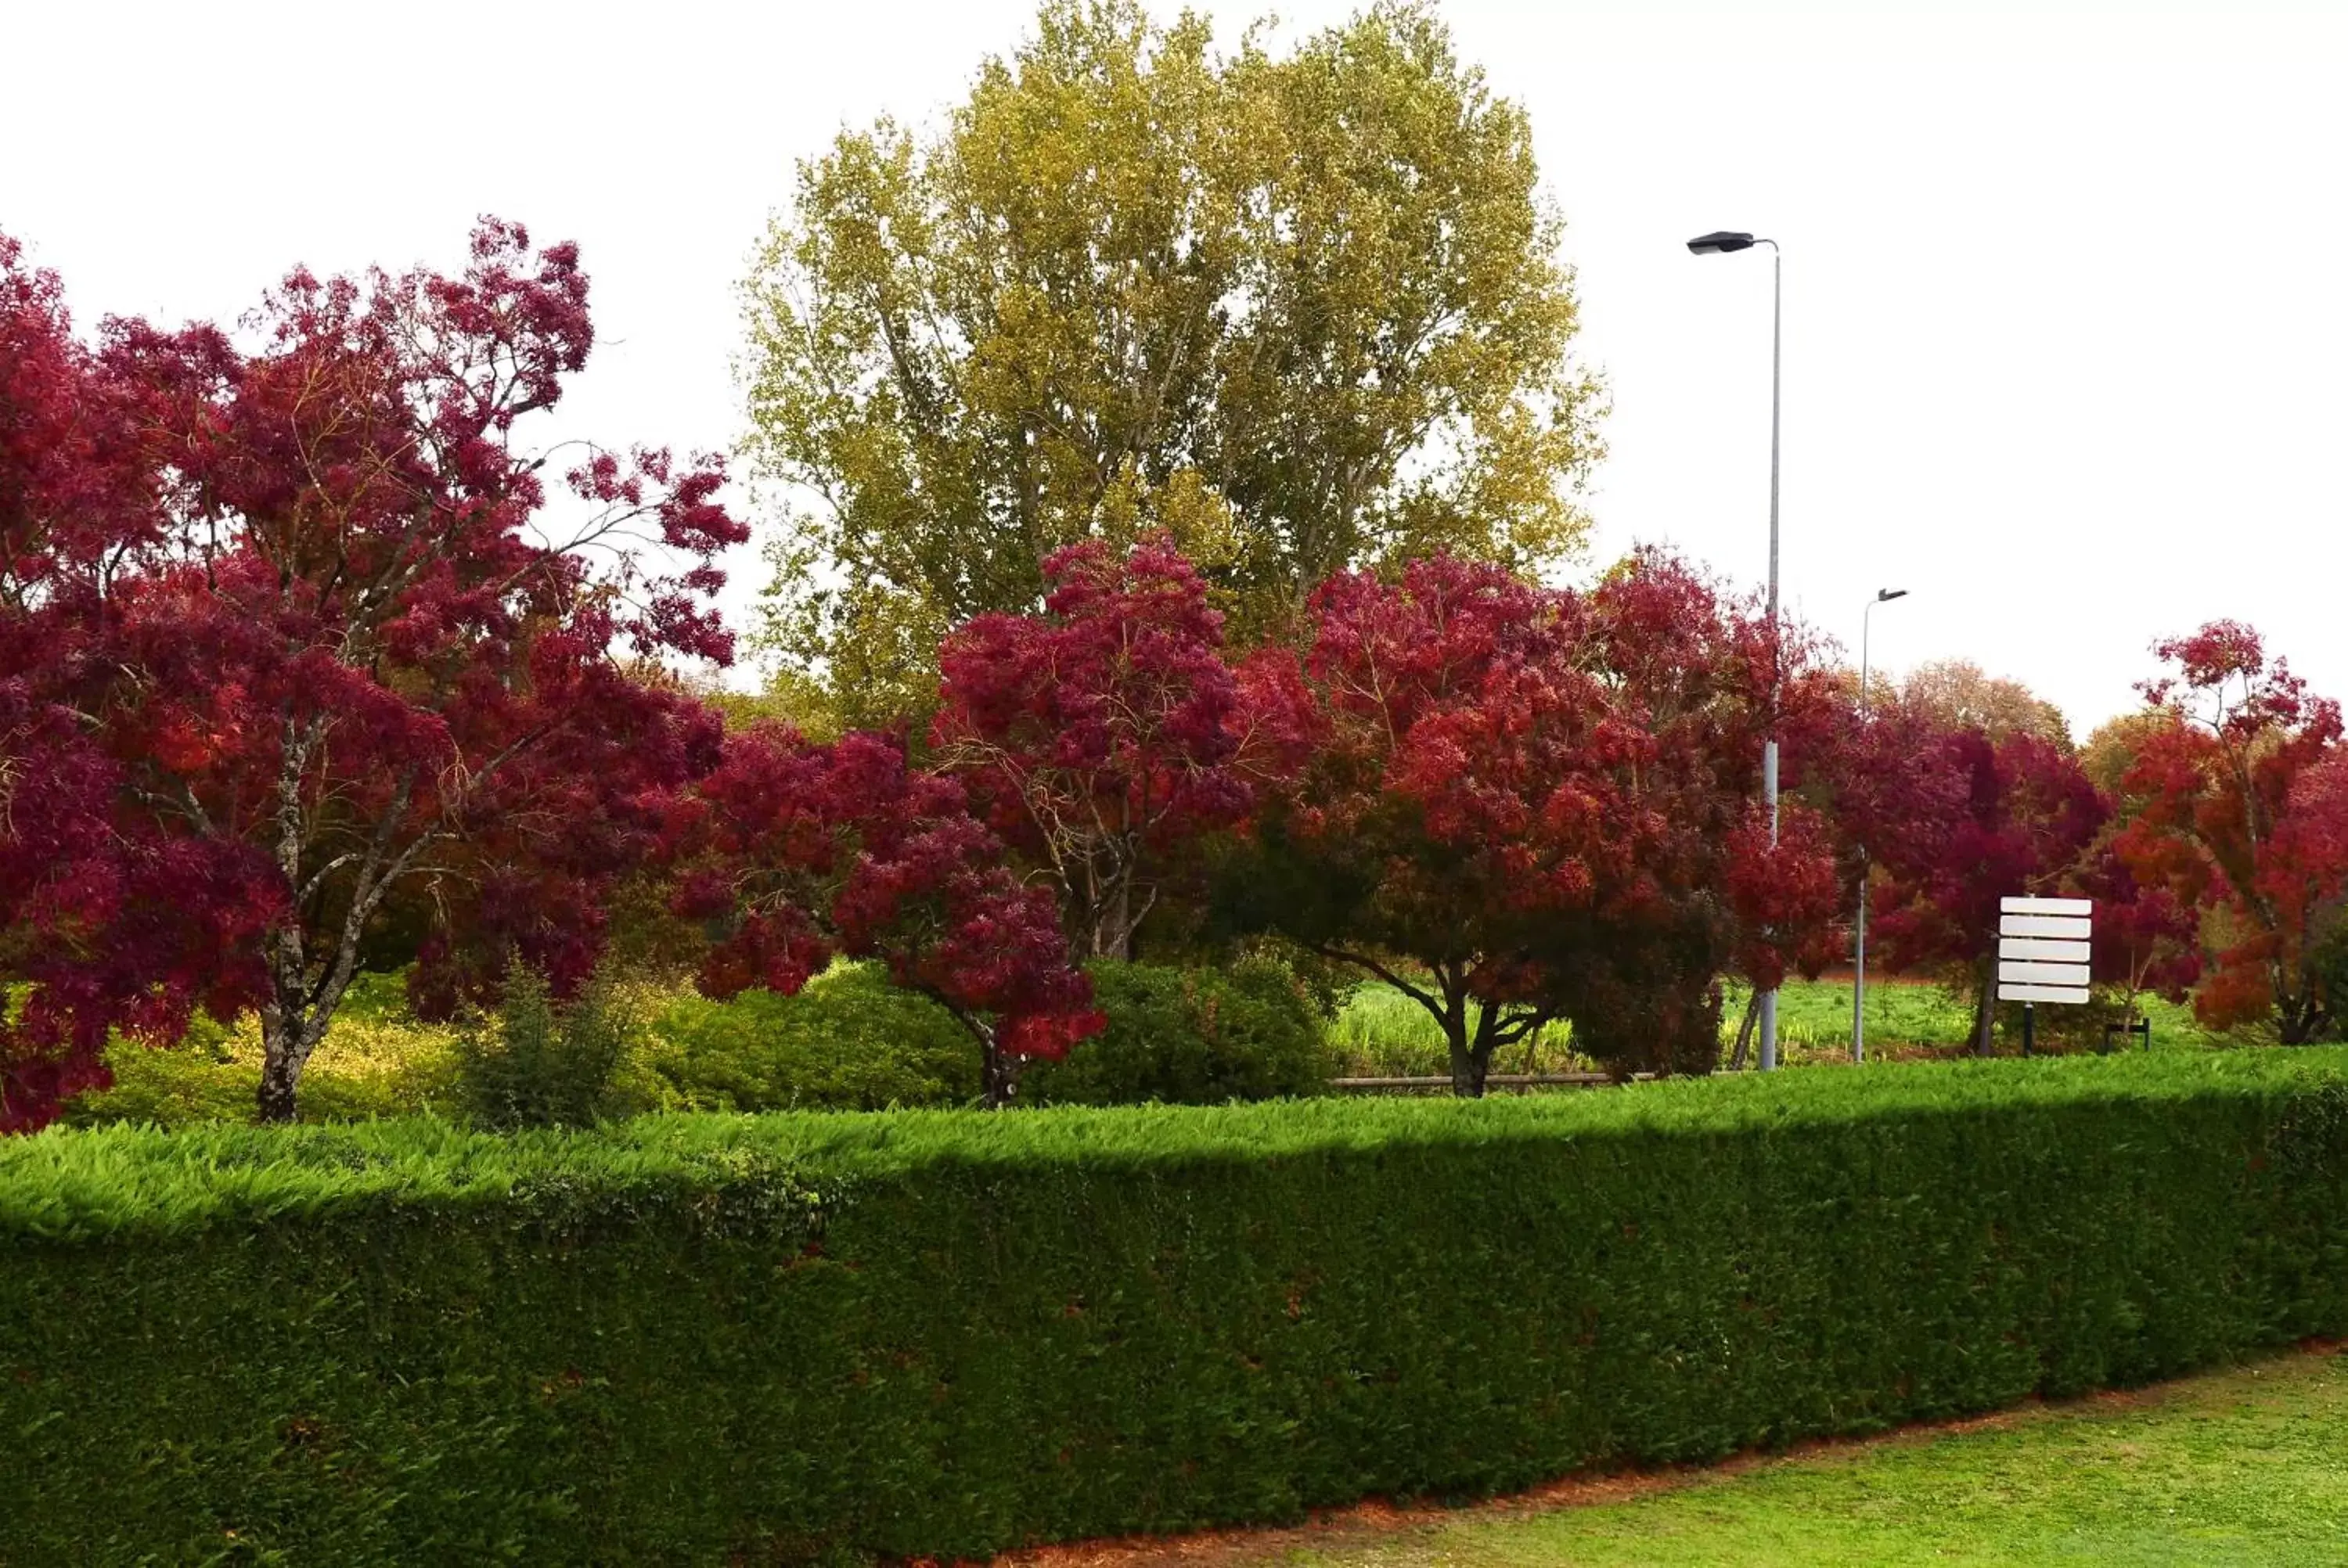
<point x="1524" y="804"/>
<point x="1712" y="679"/>
<point x="317" y="620"/>
<point x="1103" y="735"/>
<point x="2232" y="804"/>
<point x="1879" y="777"/>
<point x="2146" y="938"/>
<point x="2013" y="817"/>
<point x="104" y="928"/>
<point x="105" y="921"/>
<point x="794" y="851"/>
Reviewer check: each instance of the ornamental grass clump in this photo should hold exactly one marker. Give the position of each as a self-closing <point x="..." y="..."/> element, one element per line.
<point x="537" y="1063"/>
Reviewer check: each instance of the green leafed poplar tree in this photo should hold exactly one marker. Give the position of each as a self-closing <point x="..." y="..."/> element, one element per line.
<point x="1304" y="312"/>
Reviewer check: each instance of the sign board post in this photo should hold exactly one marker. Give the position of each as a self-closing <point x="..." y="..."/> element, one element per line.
<point x="2042" y="954"/>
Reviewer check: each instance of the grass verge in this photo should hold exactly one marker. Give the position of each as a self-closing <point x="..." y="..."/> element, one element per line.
<point x="2240" y="1467"/>
<point x="1382" y="1031"/>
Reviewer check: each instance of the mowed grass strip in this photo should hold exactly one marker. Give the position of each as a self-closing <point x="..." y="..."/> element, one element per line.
<point x="2243" y="1466"/>
<point x="1380" y="1031"/>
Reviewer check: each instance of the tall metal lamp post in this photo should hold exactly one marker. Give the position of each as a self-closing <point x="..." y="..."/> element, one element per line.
<point x="1720" y="243"/>
<point x="1859" y="968"/>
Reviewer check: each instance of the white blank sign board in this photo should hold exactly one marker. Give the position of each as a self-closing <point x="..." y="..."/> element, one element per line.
<point x="2075" y="928"/>
<point x="2082" y="908"/>
<point x="2038" y="974"/>
<point x="2017" y="993"/>
<point x="2042" y="949"/>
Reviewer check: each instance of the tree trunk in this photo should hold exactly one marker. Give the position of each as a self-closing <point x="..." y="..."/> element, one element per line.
<point x="2299" y="1018"/>
<point x="998" y="1073"/>
<point x="1113" y="938"/>
<point x="1745" y="1032"/>
<point x="287" y="1040"/>
<point x="1471" y="1058"/>
<point x="1107" y="924"/>
<point x="278" y="1077"/>
<point x="1985" y="1013"/>
<point x="1468" y="1067"/>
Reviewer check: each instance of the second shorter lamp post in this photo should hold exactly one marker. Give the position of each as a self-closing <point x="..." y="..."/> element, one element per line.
<point x="1858" y="966"/>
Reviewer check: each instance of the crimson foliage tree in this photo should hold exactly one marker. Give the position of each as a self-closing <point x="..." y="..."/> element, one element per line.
<point x="1711" y="679"/>
<point x="295" y="626"/>
<point x="2236" y="804"/>
<point x="2146" y="938"/>
<point x="1104" y="735"/>
<point x="794" y="851"/>
<point x="1523" y="804"/>
<point x="103" y="922"/>
<point x="1960" y="822"/>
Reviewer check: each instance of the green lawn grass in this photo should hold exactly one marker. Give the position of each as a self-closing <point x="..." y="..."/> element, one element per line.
<point x="2239" y="1468"/>
<point x="1381" y="1031"/>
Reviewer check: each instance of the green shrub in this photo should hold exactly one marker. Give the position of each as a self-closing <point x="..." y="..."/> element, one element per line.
<point x="795" y="1338"/>
<point x="374" y="1062"/>
<point x="2328" y="959"/>
<point x="538" y="1064"/>
<point x="181" y="1086"/>
<point x="1191" y="1037"/>
<point x="849" y="1040"/>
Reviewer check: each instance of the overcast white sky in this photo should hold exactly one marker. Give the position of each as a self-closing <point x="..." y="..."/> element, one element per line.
<point x="2066" y="290"/>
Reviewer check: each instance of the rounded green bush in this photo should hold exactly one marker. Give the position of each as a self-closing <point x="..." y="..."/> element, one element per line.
<point x="1191" y="1036"/>
<point x="847" y="1041"/>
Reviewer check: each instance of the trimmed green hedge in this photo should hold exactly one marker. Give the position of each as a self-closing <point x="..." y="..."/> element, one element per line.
<point x="797" y="1338"/>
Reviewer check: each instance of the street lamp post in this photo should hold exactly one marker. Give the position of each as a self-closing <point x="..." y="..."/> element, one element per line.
<point x="1858" y="966"/>
<point x="1720" y="243"/>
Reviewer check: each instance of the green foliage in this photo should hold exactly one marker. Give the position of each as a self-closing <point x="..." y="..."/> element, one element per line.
<point x="376" y="1060"/>
<point x="791" y="697"/>
<point x="849" y="1040"/>
<point x="792" y="1339"/>
<point x="1301" y="313"/>
<point x="2327" y="964"/>
<point x="538" y="1063"/>
<point x="197" y="1082"/>
<point x="1191" y="1037"/>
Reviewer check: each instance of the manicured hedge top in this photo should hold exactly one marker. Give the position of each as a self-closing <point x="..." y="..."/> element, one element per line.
<point x="84" y="1185"/>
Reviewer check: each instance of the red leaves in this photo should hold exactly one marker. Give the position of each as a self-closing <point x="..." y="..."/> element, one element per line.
<point x="1971" y="821"/>
<point x="1104" y="734"/>
<point x="300" y="601"/>
<point x="1454" y="693"/>
<point x="2313" y="837"/>
<point x="2223" y="668"/>
<point x="71" y="487"/>
<point x="282" y="635"/>
<point x="796" y="851"/>
<point x="2145" y="938"/>
<point x="114" y="924"/>
<point x="2237" y="802"/>
<point x="1785" y="895"/>
<point x="1542" y="799"/>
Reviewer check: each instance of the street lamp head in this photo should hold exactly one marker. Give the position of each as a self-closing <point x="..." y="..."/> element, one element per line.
<point x="1882" y="594"/>
<point x="1721" y="241"/>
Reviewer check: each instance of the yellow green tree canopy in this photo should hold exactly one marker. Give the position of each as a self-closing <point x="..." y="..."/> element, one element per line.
<point x="1957" y="693"/>
<point x="1304" y="312"/>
